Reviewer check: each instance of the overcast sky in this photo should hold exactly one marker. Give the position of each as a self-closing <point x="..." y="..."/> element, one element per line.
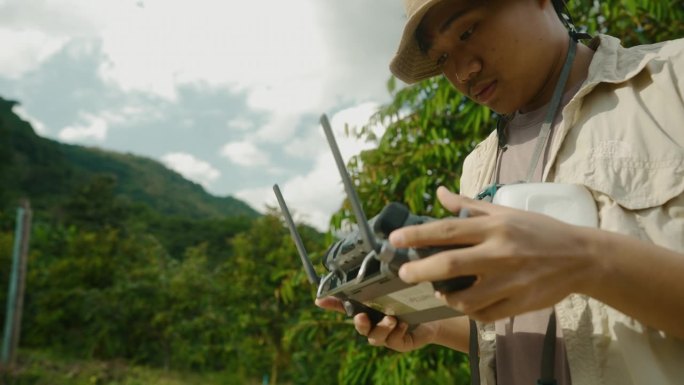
<point x="227" y="93"/>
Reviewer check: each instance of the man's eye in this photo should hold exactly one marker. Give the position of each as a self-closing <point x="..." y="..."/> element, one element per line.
<point x="442" y="59"/>
<point x="466" y="35"/>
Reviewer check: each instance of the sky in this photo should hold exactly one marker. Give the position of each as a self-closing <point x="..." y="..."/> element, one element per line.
<point x="227" y="93"/>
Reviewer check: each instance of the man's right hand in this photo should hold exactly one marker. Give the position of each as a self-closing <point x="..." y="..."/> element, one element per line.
<point x="388" y="332"/>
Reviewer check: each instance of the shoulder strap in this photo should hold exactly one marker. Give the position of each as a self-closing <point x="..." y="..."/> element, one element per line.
<point x="551" y="111"/>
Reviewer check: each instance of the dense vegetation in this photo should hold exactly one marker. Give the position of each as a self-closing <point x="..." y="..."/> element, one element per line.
<point x="119" y="272"/>
<point x="48" y="172"/>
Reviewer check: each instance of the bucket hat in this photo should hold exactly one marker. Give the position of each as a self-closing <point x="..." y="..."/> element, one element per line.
<point x="410" y="64"/>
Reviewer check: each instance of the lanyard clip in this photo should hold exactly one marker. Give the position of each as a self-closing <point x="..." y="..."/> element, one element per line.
<point x="488" y="193"/>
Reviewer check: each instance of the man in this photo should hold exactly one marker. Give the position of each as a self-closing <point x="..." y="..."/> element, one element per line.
<point x="599" y="115"/>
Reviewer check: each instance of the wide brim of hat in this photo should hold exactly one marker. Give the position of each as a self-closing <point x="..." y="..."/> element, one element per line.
<point x="410" y="64"/>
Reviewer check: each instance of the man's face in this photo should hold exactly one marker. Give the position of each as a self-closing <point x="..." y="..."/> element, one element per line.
<point x="500" y="53"/>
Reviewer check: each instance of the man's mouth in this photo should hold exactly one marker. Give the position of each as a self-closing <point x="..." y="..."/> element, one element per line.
<point x="483" y="93"/>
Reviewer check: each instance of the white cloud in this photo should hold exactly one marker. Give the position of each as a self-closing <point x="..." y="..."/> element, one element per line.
<point x="272" y="48"/>
<point x="31" y="31"/>
<point x="25" y="50"/>
<point x="240" y="124"/>
<point x="245" y="153"/>
<point x="316" y="195"/>
<point x="313" y="197"/>
<point x="191" y="168"/>
<point x="93" y="127"/>
<point x="96" y="126"/>
<point x="354" y="117"/>
<point x="38" y="126"/>
<point x="278" y="128"/>
<point x="285" y="55"/>
<point x="290" y="57"/>
<point x="303" y="147"/>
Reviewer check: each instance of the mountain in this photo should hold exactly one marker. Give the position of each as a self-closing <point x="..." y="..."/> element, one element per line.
<point x="49" y="172"/>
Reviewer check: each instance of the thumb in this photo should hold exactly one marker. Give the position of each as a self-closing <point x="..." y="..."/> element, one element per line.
<point x="448" y="199"/>
<point x="330" y="303"/>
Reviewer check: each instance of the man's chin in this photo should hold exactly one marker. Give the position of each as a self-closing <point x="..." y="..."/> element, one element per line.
<point x="499" y="109"/>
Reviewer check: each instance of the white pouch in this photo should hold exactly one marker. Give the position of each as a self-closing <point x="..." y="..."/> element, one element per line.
<point x="570" y="203"/>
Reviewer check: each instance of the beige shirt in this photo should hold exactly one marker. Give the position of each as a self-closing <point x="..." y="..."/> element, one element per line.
<point x="520" y="339"/>
<point x="622" y="137"/>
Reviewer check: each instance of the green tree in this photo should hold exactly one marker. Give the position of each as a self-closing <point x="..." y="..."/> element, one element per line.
<point x="273" y="301"/>
<point x="194" y="316"/>
<point x="178" y="233"/>
<point x="92" y="293"/>
<point x="96" y="205"/>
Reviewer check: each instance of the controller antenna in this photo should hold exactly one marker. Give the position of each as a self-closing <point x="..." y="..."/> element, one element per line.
<point x="361" y="220"/>
<point x="306" y="261"/>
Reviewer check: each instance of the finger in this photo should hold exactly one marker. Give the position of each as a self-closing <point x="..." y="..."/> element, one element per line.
<point x="509" y="298"/>
<point x="443" y="232"/>
<point x="399" y="339"/>
<point x="527" y="300"/>
<point x="455" y="203"/>
<point x="378" y="335"/>
<point x="362" y="324"/>
<point x="330" y="303"/>
<point x="485" y="293"/>
<point x="476" y="260"/>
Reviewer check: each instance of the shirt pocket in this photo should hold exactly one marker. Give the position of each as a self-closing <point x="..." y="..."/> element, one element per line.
<point x="636" y="183"/>
<point x="640" y="197"/>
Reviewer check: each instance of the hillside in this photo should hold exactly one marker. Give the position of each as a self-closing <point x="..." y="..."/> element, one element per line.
<point x="49" y="172"/>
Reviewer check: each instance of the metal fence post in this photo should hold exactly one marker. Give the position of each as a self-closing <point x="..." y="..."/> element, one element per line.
<point x="17" y="283"/>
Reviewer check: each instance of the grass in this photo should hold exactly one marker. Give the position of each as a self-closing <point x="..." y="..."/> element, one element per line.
<point x="44" y="368"/>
